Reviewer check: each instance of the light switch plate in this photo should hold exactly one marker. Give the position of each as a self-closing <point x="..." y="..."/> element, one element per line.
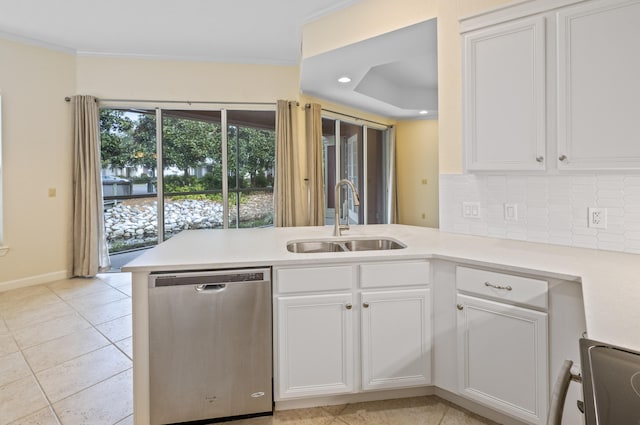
<point x="471" y="210"/>
<point x="511" y="212"/>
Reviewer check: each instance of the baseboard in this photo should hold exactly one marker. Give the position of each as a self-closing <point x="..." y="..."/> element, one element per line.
<point x="33" y="280"/>
<point x="302" y="403"/>
<point x="476" y="408"/>
<point x="402" y="393"/>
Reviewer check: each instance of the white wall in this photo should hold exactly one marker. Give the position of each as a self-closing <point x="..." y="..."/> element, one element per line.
<point x="37" y="155"/>
<point x="551" y="209"/>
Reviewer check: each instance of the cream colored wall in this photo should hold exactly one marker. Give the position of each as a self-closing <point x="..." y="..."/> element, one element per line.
<point x="417" y="161"/>
<point x="363" y="20"/>
<point x="37" y="155"/>
<point x="341" y="109"/>
<point x="450" y="77"/>
<point x="370" y="18"/>
<point x="123" y="78"/>
<point x="37" y="122"/>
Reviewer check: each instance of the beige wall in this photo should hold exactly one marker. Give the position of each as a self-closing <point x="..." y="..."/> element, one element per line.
<point x="37" y="155"/>
<point x="119" y="78"/>
<point x="450" y="77"/>
<point x="417" y="161"/>
<point x="37" y="143"/>
<point x="375" y="17"/>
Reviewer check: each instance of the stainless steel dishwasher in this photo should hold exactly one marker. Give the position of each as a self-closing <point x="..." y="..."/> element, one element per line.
<point x="210" y="345"/>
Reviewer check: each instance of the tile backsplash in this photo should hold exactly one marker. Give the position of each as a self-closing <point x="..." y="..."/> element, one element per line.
<point x="551" y="209"/>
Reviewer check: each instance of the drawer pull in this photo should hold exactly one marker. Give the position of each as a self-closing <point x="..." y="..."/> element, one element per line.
<point x="460" y="307"/>
<point x="348" y="306"/>
<point x="491" y="285"/>
<point x="365" y="305"/>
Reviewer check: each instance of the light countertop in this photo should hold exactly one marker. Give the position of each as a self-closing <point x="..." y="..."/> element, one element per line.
<point x="610" y="280"/>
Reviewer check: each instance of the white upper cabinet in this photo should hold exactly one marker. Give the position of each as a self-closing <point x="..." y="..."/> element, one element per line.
<point x="554" y="76"/>
<point x="504" y="96"/>
<point x="599" y="85"/>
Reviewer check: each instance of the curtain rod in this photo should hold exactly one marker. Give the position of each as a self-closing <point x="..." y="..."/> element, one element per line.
<point x="189" y="102"/>
<point x="351" y="116"/>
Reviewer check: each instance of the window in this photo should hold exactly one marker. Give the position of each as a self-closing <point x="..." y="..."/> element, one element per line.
<point x="358" y="153"/>
<point x="216" y="172"/>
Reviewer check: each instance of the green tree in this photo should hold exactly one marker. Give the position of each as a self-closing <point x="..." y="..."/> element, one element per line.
<point x="115" y="138"/>
<point x="257" y="154"/>
<point x="144" y="141"/>
<point x="190" y="143"/>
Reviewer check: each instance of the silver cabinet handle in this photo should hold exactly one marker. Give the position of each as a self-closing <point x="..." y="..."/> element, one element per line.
<point x="365" y="305"/>
<point x="459" y="306"/>
<point x="562" y="157"/>
<point x="348" y="306"/>
<point x="539" y="158"/>
<point x="491" y="285"/>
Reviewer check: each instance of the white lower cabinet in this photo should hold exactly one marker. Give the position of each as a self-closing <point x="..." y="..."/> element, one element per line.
<point x="396" y="338"/>
<point x="503" y="357"/>
<point x="323" y="339"/>
<point x="315" y="345"/>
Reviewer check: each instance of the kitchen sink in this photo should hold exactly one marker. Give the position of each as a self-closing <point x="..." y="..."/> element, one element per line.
<point x="315" y="246"/>
<point x="343" y="245"/>
<point x="373" y="244"/>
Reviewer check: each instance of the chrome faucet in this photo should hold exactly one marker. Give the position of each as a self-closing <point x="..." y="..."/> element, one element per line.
<point x="337" y="227"/>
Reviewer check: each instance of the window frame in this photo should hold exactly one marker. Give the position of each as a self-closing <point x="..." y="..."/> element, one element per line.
<point x="364" y="125"/>
<point x="159" y="109"/>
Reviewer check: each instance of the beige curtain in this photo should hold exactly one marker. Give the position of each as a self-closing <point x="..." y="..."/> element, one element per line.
<point x="392" y="192"/>
<point x="90" y="254"/>
<point x="313" y="129"/>
<point x="289" y="191"/>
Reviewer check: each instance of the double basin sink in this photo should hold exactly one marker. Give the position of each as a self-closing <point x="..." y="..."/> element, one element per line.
<point x="343" y="245"/>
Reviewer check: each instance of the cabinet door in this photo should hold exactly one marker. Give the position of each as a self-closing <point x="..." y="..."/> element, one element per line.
<point x="396" y="338"/>
<point x="598" y="85"/>
<point x="502" y="357"/>
<point x="504" y="96"/>
<point x="315" y="345"/>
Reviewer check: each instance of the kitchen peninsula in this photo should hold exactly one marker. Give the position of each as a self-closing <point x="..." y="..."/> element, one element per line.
<point x="608" y="281"/>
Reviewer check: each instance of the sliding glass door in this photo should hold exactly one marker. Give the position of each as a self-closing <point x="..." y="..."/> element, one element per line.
<point x="216" y="172"/>
<point x="360" y="154"/>
<point x="251" y="144"/>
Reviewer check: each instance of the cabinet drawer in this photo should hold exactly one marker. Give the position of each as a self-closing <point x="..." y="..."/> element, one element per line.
<point x="403" y="273"/>
<point x="502" y="286"/>
<point x="313" y="279"/>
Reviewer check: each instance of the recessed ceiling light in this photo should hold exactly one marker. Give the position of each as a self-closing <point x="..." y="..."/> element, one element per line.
<point x="344" y="80"/>
<point x="423" y="112"/>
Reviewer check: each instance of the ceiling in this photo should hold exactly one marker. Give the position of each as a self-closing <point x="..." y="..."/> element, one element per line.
<point x="393" y="75"/>
<point x="235" y="31"/>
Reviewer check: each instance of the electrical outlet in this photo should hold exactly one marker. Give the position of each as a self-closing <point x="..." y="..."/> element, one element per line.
<point x="597" y="218"/>
<point x="471" y="209"/>
<point x="511" y="212"/>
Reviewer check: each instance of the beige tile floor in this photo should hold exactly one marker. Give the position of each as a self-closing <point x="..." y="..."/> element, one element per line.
<point x="65" y="359"/>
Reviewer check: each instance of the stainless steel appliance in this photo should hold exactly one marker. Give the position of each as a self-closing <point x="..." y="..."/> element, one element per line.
<point x="611" y="384"/>
<point x="210" y="345"/>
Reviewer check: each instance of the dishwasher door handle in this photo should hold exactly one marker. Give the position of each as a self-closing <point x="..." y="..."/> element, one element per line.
<point x="210" y="287"/>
